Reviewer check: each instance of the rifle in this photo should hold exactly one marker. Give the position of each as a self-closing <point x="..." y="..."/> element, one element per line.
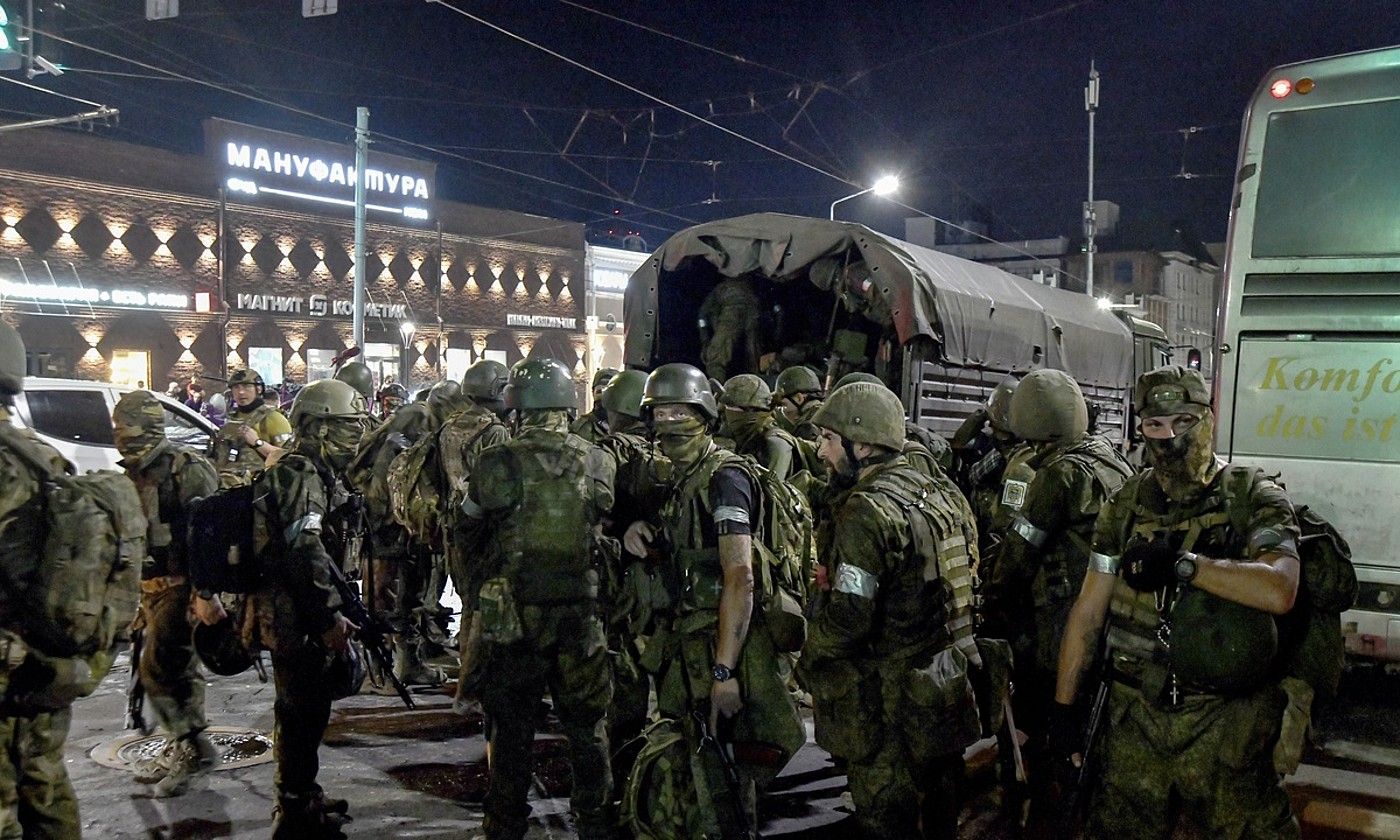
<point x="1086" y="774"/>
<point x="135" y="691"/>
<point x="372" y="630"/>
<point x="709" y="740"/>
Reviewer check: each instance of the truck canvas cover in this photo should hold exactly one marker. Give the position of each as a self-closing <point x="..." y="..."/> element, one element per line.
<point x="979" y="316"/>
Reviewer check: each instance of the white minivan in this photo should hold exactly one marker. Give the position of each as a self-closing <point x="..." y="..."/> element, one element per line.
<point x="75" y="417"/>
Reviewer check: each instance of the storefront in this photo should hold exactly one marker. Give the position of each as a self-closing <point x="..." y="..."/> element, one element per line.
<point x="131" y="264"/>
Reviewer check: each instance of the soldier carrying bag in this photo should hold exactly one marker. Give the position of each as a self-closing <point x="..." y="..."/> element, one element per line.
<point x="77" y="598"/>
<point x="223" y="553"/>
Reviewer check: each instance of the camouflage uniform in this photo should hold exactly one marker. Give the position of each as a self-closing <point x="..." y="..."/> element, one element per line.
<point x="1206" y="754"/>
<point x="729" y="319"/>
<point x="36" y="798"/>
<point x="898" y="616"/>
<point x="236" y="459"/>
<point x="169" y="479"/>
<point x="537" y="499"/>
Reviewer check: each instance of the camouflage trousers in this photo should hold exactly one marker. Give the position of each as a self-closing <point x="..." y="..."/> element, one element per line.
<point x="168" y="668"/>
<point x="300" y="714"/>
<point x="1211" y="759"/>
<point x="894" y="798"/>
<point x="564" y="652"/>
<point x="627" y="713"/>
<point x="36" y="799"/>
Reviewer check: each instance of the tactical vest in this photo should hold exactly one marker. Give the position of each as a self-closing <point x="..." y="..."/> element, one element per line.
<point x="1064" y="566"/>
<point x="917" y="609"/>
<point x="232" y="454"/>
<point x="692" y="575"/>
<point x="157" y="482"/>
<point x="546" y="540"/>
<point x="1136" y="640"/>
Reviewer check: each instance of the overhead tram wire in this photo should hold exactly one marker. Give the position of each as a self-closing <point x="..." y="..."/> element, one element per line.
<point x="40" y="89"/>
<point x="312" y="115"/>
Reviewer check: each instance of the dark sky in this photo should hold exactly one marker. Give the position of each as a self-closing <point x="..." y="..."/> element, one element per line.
<point x="978" y="105"/>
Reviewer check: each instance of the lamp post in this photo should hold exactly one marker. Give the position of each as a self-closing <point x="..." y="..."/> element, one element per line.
<point x="886" y="185"/>
<point x="406" y="329"/>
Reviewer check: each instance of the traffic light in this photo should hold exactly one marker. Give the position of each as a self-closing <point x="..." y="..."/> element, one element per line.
<point x="11" y="55"/>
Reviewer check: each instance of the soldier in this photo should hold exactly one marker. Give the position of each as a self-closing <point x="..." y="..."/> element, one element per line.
<point x="297" y="616"/>
<point x="253" y="433"/>
<point x="996" y="470"/>
<point x="390" y="399"/>
<point x="797" y="396"/>
<point x="705" y="659"/>
<point x="748" y="417"/>
<point x="537" y="501"/>
<point x="593" y="425"/>
<point x="728" y="324"/>
<point x="1046" y="551"/>
<point x="898" y="608"/>
<point x="36" y="798"/>
<point x="926" y="450"/>
<point x="358" y="376"/>
<point x="168" y="479"/>
<point x="1193" y="707"/>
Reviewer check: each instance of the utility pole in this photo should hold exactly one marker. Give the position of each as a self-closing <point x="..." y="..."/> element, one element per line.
<point x="361" y="163"/>
<point x="1091" y="104"/>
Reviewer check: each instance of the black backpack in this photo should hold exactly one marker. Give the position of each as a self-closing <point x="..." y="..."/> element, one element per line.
<point x="223" y="551"/>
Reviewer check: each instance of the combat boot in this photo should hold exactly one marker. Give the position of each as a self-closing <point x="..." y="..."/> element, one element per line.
<point x="409" y="668"/>
<point x="309" y="817"/>
<point x="186" y="759"/>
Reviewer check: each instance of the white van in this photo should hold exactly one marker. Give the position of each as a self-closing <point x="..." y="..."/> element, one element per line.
<point x="75" y="417"/>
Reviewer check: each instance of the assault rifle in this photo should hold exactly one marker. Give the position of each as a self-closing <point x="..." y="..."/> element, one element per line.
<point x="372" y="630"/>
<point x="1086" y="771"/>
<point x="135" y="690"/>
<point x="710" y="741"/>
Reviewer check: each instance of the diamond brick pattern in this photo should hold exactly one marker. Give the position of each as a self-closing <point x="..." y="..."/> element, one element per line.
<point x="39" y="229"/>
<point x="458" y="274"/>
<point x="338" y="262"/>
<point x="185" y="247"/>
<point x="303" y="258"/>
<point x="140" y="241"/>
<point x="266" y="255"/>
<point x="374" y="267"/>
<point x="401" y="269"/>
<point x="92" y="235"/>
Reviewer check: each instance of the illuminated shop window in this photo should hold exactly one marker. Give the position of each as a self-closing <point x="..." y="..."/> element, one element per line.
<point x="267" y="361"/>
<point x="319" y="364"/>
<point x="131" y="368"/>
<point x="458" y="359"/>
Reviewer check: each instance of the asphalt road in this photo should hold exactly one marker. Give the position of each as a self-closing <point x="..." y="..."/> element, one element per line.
<point x="422" y="773"/>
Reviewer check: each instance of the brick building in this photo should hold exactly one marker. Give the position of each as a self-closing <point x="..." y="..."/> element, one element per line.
<point x="113" y="266"/>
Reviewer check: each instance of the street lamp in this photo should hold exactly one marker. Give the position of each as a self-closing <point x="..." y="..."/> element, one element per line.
<point x="406" y="329"/>
<point x="886" y="185"/>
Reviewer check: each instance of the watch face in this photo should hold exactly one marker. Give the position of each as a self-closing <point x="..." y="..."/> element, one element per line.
<point x="1185" y="569"/>
<point x="721" y="673"/>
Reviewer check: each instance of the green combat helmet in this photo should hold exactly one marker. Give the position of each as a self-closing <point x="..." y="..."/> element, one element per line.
<point x="602" y="378"/>
<point x="541" y="384"/>
<point x="247" y="376"/>
<point x="485" y="380"/>
<point x="623" y="393"/>
<point x="1048" y="406"/>
<point x="326" y="398"/>
<point x="1221" y="646"/>
<point x="444" y="393"/>
<point x="999" y="405"/>
<point x="678" y="383"/>
<point x="358" y="376"/>
<point x="139" y="410"/>
<point x="858" y="376"/>
<point x="12" y="364"/>
<point x="798" y="379"/>
<point x="747" y="391"/>
<point x="864" y="412"/>
<point x="1171" y="390"/>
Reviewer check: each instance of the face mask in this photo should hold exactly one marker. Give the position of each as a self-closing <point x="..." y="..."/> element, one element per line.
<point x="133" y="442"/>
<point x="683" y="441"/>
<point x="1183" y="463"/>
<point x="339" y="440"/>
<point x="743" y="425"/>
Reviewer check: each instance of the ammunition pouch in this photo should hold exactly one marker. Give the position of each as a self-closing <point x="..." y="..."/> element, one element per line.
<point x="500" y="616"/>
<point x="845" y="707"/>
<point x="933" y="707"/>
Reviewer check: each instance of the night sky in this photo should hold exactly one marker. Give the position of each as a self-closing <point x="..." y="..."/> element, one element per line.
<point x="977" y="105"/>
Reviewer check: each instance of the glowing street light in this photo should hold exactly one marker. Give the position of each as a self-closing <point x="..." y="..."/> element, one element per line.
<point x="886" y="185"/>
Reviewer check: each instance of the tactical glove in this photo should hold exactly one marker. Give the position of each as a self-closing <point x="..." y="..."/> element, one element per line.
<point x="1149" y="566"/>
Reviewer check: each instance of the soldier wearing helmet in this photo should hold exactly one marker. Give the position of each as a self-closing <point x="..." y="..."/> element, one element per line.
<point x="168" y="479"/>
<point x="39" y="800"/>
<point x="358" y="376"/>
<point x="926" y="450"/>
<point x="1204" y="556"/>
<point x="705" y="658"/>
<point x="533" y="508"/>
<point x="997" y="471"/>
<point x="797" y="395"/>
<point x="254" y="433"/>
<point x="749" y="422"/>
<point x="1034" y="577"/>
<point x="729" y="325"/>
<point x="297" y="617"/>
<point x="593" y="425"/>
<point x="390" y="399"/>
<point x="895" y="605"/>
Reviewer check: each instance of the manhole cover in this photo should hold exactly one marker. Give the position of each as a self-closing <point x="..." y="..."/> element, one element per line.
<point x="237" y="748"/>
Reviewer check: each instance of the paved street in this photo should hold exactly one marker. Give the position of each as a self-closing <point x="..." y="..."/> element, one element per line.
<point x="422" y="774"/>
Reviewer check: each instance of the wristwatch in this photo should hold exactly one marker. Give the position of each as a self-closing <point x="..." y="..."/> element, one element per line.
<point x="259" y="443"/>
<point x="1186" y="568"/>
<point x="722" y="673"/>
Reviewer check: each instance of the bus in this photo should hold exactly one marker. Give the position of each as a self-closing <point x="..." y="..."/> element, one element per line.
<point x="1308" y="372"/>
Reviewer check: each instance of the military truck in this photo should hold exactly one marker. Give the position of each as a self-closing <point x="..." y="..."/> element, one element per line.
<point x="941" y="331"/>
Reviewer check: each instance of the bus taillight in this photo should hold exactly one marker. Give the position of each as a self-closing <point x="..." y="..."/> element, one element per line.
<point x="1280" y="88"/>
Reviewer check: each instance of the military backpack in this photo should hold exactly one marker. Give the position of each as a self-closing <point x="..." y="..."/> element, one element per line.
<point x="425" y="479"/>
<point x="222" y="546"/>
<point x="80" y="594"/>
<point x="785" y="545"/>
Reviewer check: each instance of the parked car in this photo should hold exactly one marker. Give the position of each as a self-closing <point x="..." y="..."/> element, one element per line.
<point x="75" y="417"/>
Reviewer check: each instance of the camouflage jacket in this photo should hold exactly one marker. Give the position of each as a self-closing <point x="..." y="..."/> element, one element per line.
<point x="21" y="519"/>
<point x="168" y="479"/>
<point x="233" y="454"/>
